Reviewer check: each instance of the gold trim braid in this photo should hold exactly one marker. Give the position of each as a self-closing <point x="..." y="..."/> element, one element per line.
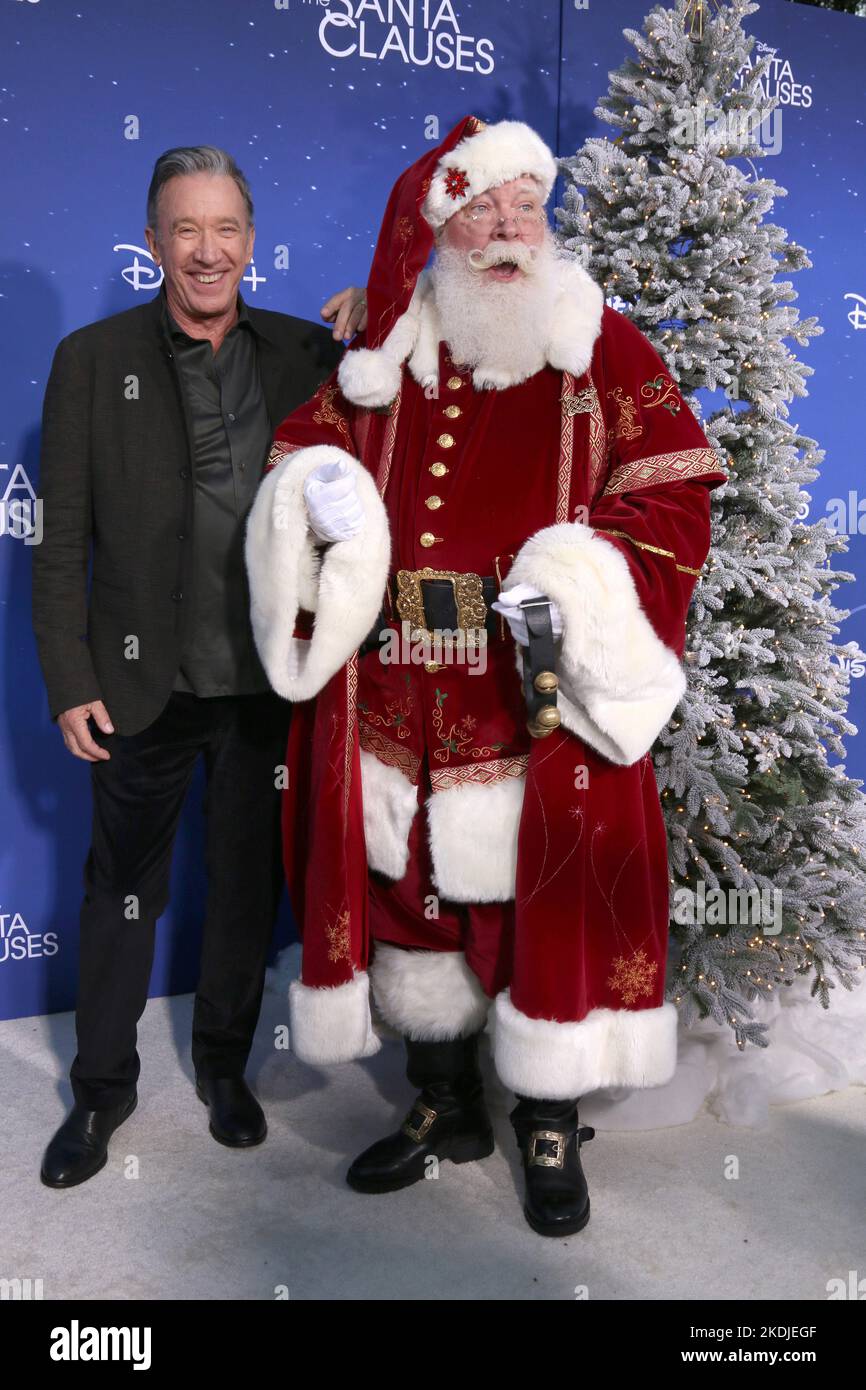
<point x="662" y="468"/>
<point x="494" y="770"/>
<point x="388" y="752"/>
<point x="644" y="545"/>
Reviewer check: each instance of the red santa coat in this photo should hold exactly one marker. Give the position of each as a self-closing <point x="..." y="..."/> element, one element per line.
<point x="591" y="481"/>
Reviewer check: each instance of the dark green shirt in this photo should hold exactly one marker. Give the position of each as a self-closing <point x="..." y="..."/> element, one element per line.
<point x="231" y="434"/>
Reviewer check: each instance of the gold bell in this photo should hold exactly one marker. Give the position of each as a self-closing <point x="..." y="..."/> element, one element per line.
<point x="547" y="721"/>
<point x="546" y="681"/>
<point x="536" y="731"/>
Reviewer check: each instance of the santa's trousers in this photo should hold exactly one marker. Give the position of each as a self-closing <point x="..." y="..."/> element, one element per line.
<point x="438" y="966"/>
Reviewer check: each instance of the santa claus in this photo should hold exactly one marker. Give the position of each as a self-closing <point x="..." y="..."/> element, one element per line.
<point x="503" y="474"/>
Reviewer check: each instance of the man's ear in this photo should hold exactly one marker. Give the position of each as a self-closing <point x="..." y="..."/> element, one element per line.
<point x="150" y="238"/>
<point x="251" y="243"/>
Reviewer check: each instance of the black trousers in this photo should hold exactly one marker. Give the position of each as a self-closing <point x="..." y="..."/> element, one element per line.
<point x="137" y="798"/>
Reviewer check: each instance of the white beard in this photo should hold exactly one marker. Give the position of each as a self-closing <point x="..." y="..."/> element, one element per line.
<point x="500" y="328"/>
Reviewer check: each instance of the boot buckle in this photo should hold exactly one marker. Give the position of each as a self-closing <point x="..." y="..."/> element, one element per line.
<point x="417" y="1132"/>
<point x="546" y="1160"/>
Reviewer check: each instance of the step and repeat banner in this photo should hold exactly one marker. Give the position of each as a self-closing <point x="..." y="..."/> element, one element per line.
<point x="322" y="103"/>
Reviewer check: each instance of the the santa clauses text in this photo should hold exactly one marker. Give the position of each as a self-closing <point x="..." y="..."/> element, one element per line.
<point x="470" y="564"/>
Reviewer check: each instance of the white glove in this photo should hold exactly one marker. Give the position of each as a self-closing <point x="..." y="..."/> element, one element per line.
<point x="333" y="504"/>
<point x="508" y="604"/>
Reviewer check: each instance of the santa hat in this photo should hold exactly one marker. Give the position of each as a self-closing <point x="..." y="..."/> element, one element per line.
<point x="472" y="158"/>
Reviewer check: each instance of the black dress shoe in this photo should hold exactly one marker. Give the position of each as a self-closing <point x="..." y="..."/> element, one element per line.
<point x="236" y="1118"/>
<point x="549" y="1136"/>
<point x="448" y="1120"/>
<point x="80" y="1147"/>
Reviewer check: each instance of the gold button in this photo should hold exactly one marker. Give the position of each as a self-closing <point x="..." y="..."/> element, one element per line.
<point x="432" y="666"/>
<point x="452" y="411"/>
<point x="454" y="383"/>
<point x="427" y="539"/>
<point x="433" y="502"/>
<point x="445" y="441"/>
<point x="438" y="470"/>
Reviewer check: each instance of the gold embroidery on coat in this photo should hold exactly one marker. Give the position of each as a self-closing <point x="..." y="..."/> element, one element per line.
<point x="397" y="711"/>
<point x="626" y="426"/>
<point x="458" y="736"/>
<point x="660" y="390"/>
<point x="633" y="977"/>
<point x="279" y="451"/>
<point x="339" y="940"/>
<point x="351" y="720"/>
<point x="328" y="414"/>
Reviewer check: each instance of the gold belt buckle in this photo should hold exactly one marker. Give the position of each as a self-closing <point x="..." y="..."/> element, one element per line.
<point x="417" y="1133"/>
<point x="547" y="1160"/>
<point x="468" y="599"/>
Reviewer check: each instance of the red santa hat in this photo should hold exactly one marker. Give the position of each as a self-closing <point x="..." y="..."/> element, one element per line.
<point x="472" y="158"/>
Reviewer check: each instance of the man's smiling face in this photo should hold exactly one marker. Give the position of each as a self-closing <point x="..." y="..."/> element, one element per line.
<point x="203" y="241"/>
<point x="513" y="212"/>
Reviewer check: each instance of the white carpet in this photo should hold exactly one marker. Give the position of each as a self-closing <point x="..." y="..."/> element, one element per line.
<point x="176" y="1215"/>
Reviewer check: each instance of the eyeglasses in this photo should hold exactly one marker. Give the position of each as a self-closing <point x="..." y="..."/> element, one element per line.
<point x="486" y="218"/>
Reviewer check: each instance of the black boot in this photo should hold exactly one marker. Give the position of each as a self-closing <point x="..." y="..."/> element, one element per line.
<point x="448" y="1120"/>
<point x="549" y="1135"/>
<point x="80" y="1147"/>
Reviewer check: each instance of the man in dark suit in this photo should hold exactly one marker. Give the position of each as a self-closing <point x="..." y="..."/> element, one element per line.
<point x="156" y="428"/>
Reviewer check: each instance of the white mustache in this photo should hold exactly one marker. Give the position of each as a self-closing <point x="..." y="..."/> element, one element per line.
<point x="498" y="252"/>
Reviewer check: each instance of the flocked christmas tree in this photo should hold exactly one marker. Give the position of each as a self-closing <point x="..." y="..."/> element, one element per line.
<point x="668" y="215"/>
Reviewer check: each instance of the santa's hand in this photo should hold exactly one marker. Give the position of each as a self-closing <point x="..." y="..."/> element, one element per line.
<point x="333" y="504"/>
<point x="508" y="604"/>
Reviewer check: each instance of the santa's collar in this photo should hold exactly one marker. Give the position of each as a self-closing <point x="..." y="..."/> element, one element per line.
<point x="371" y="377"/>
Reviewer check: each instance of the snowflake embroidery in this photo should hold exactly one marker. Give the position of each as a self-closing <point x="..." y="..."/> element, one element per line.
<point x="339" y="941"/>
<point x="633" y="977"/>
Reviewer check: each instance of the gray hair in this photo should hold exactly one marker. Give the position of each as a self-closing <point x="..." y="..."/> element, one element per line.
<point x="194" y="159"/>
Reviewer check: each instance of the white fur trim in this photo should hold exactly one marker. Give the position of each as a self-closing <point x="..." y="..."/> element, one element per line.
<point x="332" y="1024"/>
<point x="344" y="589"/>
<point x="495" y="155"/>
<point x="473" y="840"/>
<point x="427" y="995"/>
<point x="574" y="327"/>
<point x="576" y="320"/>
<point x="619" y="684"/>
<point x="547" y="1060"/>
<point x="370" y="377"/>
<point x="390" y="803"/>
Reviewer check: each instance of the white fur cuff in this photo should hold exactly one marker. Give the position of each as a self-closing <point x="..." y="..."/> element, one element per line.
<point x="619" y="683"/>
<point x="332" y="1024"/>
<point x="344" y="589"/>
<point x="427" y="995"/>
<point x="547" y="1060"/>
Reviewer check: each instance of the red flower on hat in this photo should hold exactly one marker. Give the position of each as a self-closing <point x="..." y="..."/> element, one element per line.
<point x="456" y="182"/>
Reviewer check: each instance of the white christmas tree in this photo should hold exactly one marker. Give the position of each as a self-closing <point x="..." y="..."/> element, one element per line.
<point x="669" y="217"/>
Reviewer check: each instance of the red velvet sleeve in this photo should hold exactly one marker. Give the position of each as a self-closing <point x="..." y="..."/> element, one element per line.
<point x="326" y="418"/>
<point x="655" y="502"/>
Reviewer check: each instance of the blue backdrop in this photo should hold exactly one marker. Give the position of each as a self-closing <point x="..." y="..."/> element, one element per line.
<point x="322" y="102"/>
